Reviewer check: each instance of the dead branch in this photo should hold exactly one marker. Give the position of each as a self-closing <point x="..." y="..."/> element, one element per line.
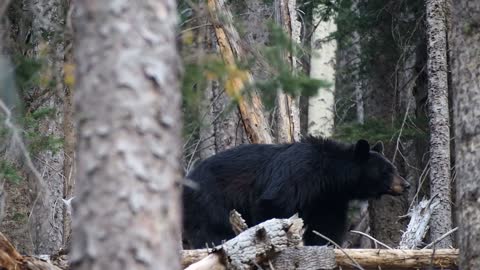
<point x="418" y="225"/>
<point x="386" y="259"/>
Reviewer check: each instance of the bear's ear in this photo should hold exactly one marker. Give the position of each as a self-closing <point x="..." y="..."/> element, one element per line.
<point x="378" y="147"/>
<point x="362" y="150"/>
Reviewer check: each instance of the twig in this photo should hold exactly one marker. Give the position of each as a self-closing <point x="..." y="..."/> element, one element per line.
<point x="341" y="249"/>
<point x="16" y="138"/>
<point x="423" y="177"/>
<point x="441" y="237"/>
<point x="372" y="238"/>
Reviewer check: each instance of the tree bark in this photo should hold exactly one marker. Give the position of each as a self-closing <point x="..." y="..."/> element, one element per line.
<point x="437" y="69"/>
<point x="466" y="84"/>
<point x="129" y="136"/>
<point x="287" y="109"/>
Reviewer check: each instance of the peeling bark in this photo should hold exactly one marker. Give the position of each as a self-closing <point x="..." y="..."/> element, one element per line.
<point x="127" y="213"/>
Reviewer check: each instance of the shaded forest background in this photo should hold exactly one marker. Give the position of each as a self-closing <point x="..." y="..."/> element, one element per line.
<point x="346" y="69"/>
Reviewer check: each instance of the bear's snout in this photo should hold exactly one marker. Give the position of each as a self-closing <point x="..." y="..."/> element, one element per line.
<point x="399" y="185"/>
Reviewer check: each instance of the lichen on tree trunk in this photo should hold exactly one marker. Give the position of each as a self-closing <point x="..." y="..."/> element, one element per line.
<point x="437" y="69"/>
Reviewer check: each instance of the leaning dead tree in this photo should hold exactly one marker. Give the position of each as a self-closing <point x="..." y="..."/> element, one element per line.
<point x="250" y="106"/>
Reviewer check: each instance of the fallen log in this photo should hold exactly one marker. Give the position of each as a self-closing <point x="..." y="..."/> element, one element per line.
<point x="254" y="246"/>
<point x="398" y="258"/>
<point x="385" y="259"/>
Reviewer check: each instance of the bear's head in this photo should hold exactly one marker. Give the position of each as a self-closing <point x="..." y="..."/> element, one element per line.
<point x="377" y="175"/>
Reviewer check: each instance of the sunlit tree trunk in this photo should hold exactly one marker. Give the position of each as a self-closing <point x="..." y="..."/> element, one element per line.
<point x="322" y="67"/>
<point x="129" y="128"/>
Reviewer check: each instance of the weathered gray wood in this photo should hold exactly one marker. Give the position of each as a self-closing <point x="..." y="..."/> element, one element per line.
<point x="253" y="246"/>
<point x="418" y="226"/>
<point x="305" y="258"/>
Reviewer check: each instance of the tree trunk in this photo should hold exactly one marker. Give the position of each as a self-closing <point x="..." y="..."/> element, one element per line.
<point x="129" y="131"/>
<point x="358" y="84"/>
<point x="466" y="84"/>
<point x="380" y="104"/>
<point x="322" y="66"/>
<point x="287" y="109"/>
<point x="437" y="69"/>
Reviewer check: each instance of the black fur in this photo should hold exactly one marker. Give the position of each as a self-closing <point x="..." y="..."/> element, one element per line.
<point x="316" y="178"/>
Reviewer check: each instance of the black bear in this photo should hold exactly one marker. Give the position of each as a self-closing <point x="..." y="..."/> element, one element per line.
<point x="315" y="178"/>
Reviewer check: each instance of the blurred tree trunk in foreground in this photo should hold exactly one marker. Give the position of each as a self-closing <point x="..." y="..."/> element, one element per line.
<point x="129" y="131"/>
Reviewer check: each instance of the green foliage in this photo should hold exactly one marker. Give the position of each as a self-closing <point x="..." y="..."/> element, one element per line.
<point x="9" y="172"/>
<point x="377" y="130"/>
<point x="20" y="217"/>
<point x="27" y="71"/>
<point x="201" y="65"/>
<point x="194" y="83"/>
<point x="38" y="142"/>
<point x="282" y="78"/>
